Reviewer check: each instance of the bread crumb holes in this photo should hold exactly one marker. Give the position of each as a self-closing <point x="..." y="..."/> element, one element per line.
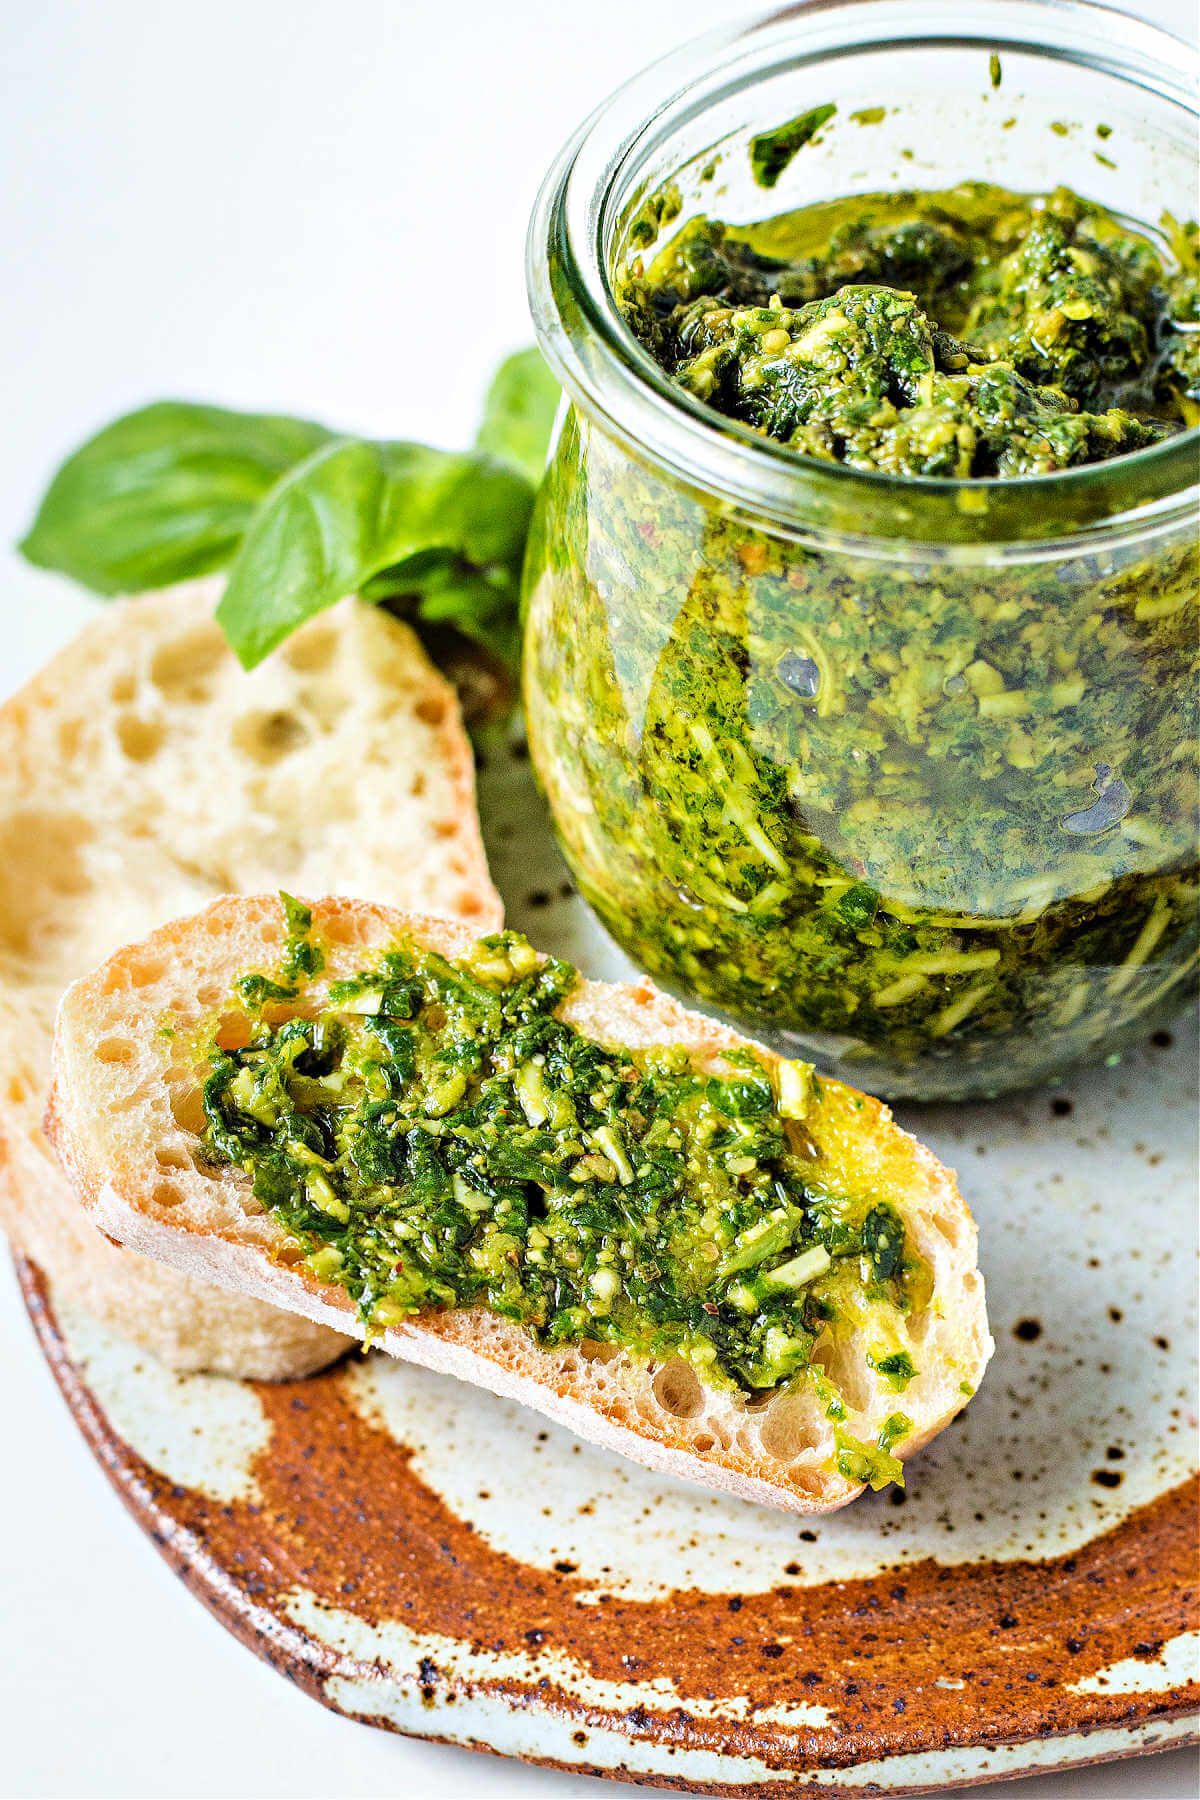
<point x="187" y="1109"/>
<point x="267" y="737"/>
<point x="145" y="971"/>
<point x="786" y="1432"/>
<point x="173" y="1159"/>
<point x="183" y="670"/>
<point x="140" y="739"/>
<point x="311" y="651"/>
<point x="677" y="1389"/>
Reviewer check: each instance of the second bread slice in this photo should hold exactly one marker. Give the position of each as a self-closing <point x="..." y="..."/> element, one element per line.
<point x="142" y="772"/>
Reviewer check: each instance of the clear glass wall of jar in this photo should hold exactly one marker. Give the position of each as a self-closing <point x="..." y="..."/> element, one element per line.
<point x="896" y="774"/>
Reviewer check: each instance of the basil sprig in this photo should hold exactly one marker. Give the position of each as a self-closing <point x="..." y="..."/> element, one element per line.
<point x="355" y="511"/>
<point x="301" y="516"/>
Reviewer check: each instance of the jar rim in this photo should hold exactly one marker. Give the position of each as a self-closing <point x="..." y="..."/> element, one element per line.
<point x="606" y="371"/>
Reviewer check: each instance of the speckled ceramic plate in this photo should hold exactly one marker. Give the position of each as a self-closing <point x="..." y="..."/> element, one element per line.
<point x="427" y="1558"/>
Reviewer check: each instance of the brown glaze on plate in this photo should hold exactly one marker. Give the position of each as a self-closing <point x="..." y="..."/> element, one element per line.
<point x="346" y="1571"/>
<point x="421" y="1556"/>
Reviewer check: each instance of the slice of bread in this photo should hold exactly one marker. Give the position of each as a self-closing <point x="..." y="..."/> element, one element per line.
<point x="141" y="773"/>
<point x="125" y="1113"/>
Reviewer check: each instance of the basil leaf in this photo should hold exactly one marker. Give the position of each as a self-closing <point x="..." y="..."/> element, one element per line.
<point x="163" y="494"/>
<point x="518" y="413"/>
<point x="353" y="510"/>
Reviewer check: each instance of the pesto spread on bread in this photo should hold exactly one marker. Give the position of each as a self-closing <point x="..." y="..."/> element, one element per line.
<point x="436" y="1136"/>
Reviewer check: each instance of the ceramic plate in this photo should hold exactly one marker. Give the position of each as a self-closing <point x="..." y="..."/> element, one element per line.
<point x="424" y="1557"/>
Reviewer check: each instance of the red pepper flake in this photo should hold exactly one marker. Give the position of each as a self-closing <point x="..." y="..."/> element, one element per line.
<point x="709" y="1307"/>
<point x="649" y="530"/>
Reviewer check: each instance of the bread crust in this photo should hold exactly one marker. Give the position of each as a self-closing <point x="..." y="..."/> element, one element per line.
<point x="123" y="1118"/>
<point x="142" y="771"/>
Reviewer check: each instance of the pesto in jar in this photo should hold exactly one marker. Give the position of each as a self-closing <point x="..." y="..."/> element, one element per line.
<point x="434" y="1135"/>
<point x="968" y="333"/>
<point x="930" y="819"/>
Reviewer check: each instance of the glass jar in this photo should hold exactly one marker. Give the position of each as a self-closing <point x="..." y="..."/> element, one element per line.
<point x="895" y="774"/>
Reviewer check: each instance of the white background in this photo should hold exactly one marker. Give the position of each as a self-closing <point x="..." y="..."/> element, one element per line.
<point x="304" y="206"/>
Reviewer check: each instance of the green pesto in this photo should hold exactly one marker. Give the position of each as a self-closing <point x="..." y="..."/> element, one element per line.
<point x="937" y="830"/>
<point x="436" y="1136"/>
<point x="772" y="151"/>
<point x="302" y="956"/>
<point x="898" y="1368"/>
<point x="967" y="333"/>
<point x="872" y="1464"/>
<point x="934" y="824"/>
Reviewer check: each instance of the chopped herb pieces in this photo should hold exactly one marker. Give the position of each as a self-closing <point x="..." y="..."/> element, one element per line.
<point x="898" y="1368"/>
<point x="484" y="1152"/>
<point x="772" y="151"/>
<point x="965" y="334"/>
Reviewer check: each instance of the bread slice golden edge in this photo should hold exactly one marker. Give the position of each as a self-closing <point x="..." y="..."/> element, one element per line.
<point x="124" y="1117"/>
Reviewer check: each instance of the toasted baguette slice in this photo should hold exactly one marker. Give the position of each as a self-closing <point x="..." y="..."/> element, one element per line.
<point x="125" y="1111"/>
<point x="141" y="773"/>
